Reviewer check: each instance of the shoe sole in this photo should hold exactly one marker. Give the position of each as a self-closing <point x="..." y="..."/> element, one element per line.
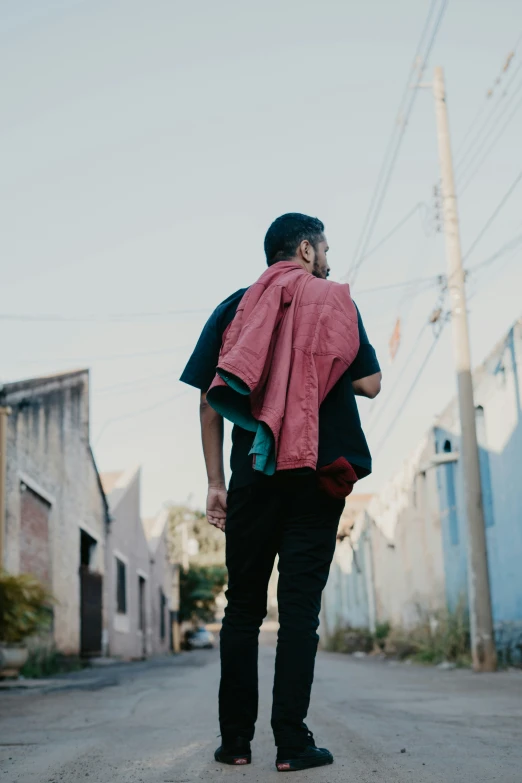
<point x="236" y="761"/>
<point x="297" y="765"/>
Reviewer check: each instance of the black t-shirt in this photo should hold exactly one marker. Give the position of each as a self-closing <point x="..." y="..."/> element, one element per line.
<point x="340" y="430"/>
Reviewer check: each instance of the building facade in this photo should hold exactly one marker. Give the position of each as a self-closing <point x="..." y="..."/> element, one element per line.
<point x="139" y="577"/>
<point x="127" y="567"/>
<point x="56" y="516"/>
<point x="163" y="581"/>
<point x="413" y="533"/>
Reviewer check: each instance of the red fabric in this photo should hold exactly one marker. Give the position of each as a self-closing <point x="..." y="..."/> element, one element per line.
<point x="292" y="338"/>
<point x="338" y="478"/>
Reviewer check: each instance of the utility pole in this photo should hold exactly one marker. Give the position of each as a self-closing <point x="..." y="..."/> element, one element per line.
<point x="482" y="639"/>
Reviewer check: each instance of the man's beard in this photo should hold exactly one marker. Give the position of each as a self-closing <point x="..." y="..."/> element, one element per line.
<point x="318" y="272"/>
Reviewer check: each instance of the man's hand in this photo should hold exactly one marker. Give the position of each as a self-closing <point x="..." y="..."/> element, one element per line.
<point x="212" y="436"/>
<point x="217" y="505"/>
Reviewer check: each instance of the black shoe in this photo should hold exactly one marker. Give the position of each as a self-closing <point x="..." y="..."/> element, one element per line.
<point x="294" y="759"/>
<point x="235" y="751"/>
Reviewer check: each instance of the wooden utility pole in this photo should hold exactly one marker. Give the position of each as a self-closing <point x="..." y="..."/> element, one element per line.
<point x="482" y="638"/>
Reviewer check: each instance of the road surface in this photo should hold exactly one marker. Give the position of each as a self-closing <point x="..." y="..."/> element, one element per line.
<point x="156" y="723"/>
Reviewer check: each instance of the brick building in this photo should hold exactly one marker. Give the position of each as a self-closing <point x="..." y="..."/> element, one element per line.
<point x="56" y="514"/>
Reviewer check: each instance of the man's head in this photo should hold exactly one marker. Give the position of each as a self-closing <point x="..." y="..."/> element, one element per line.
<point x="296" y="237"/>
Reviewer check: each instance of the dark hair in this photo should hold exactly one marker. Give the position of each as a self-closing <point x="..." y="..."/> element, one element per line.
<point x="286" y="234"/>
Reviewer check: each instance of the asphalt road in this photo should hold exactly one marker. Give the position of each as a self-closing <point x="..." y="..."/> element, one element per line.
<point x="156" y="723"/>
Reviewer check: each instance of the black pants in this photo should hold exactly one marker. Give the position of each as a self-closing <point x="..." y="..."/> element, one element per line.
<point x="291" y="517"/>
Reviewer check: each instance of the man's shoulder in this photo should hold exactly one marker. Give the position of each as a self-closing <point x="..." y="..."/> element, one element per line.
<point x="226" y="310"/>
<point x="234" y="298"/>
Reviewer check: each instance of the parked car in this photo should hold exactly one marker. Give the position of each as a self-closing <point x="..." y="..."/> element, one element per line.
<point x="199" y="639"/>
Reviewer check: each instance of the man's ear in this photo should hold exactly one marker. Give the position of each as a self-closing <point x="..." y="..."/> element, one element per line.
<point x="306" y="251"/>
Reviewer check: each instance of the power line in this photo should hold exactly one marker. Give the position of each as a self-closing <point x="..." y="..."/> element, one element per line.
<point x="511" y="245"/>
<point x="488" y="150"/>
<point x="421" y="369"/>
<point x="389" y="395"/>
<point x="112" y="357"/>
<point x="114" y="318"/>
<point x="492" y="217"/>
<point x="472" y="151"/>
<point x="404" y="284"/>
<point x="480" y="128"/>
<point x="392" y="232"/>
<point x="137" y="382"/>
<point x="512" y="252"/>
<point x="406" y="93"/>
<point x="139" y="412"/>
<point x="394" y="145"/>
<point x="491" y="92"/>
<point x="433" y="319"/>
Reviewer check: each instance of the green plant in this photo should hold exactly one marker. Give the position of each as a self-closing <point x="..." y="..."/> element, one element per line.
<point x="199" y="587"/>
<point x="350" y="640"/>
<point x="382" y="631"/>
<point x="45" y="661"/>
<point x="438" y="636"/>
<point x="25" y="607"/>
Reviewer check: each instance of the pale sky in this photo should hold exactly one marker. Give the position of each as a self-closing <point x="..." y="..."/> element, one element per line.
<point x="147" y="146"/>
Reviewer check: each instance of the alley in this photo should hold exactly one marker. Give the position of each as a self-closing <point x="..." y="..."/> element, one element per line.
<point x="156" y="723"/>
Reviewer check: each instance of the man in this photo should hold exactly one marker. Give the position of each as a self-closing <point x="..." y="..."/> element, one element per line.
<point x="285" y="514"/>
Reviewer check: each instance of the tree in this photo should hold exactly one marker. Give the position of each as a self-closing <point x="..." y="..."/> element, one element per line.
<point x="211" y="542"/>
<point x="206" y="576"/>
<point x="199" y="587"/>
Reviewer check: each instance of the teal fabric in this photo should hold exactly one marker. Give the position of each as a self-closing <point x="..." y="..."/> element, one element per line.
<point x="230" y="406"/>
<point x="263" y="450"/>
<point x="233" y="409"/>
<point x="235" y="383"/>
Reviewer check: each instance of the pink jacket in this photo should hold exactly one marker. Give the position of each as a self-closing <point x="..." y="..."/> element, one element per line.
<point x="292" y="338"/>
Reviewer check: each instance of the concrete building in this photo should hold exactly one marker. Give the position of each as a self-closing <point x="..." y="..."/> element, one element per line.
<point x="127" y="567"/>
<point x="498" y="401"/>
<point x="348" y="599"/>
<point x="56" y="515"/>
<point x="163" y="581"/>
<point x="139" y="592"/>
<point x="413" y="533"/>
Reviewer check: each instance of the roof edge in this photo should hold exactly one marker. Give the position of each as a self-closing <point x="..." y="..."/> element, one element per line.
<point x="39" y="382"/>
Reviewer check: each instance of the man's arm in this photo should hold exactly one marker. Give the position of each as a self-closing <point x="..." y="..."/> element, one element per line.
<point x="369" y="386"/>
<point x="212" y="438"/>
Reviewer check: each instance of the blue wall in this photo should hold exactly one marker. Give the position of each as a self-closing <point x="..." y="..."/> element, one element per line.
<point x="345" y="599"/>
<point x="454" y="534"/>
<point x="502" y="494"/>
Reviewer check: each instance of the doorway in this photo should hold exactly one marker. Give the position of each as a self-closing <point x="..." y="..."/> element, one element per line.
<point x="91" y="590"/>
<point x="142" y="619"/>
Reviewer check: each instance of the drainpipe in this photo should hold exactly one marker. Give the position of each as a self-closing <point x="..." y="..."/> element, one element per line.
<point x="4" y="413"/>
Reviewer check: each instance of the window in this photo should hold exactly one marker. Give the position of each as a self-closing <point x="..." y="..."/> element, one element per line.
<point x="451" y="497"/>
<point x="141" y="604"/>
<point x="163" y="603"/>
<point x="121" y="587"/>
